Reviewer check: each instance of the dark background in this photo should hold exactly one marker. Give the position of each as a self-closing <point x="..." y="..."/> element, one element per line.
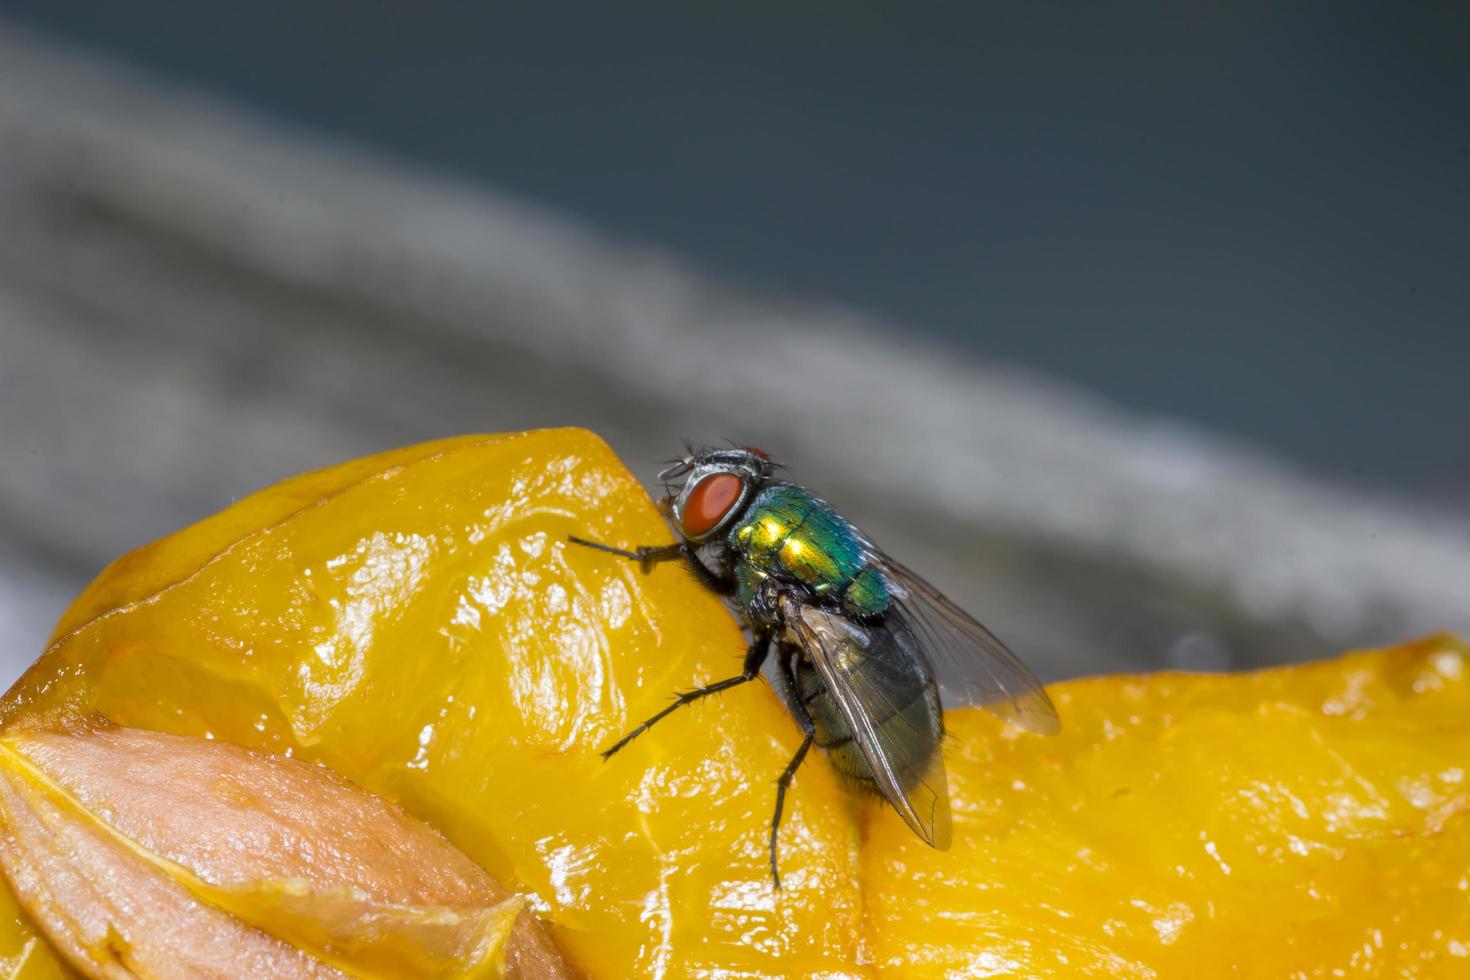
<point x="1139" y="329"/>
<point x="1254" y="216"/>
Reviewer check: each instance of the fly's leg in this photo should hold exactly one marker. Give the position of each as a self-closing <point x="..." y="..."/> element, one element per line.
<point x="809" y="728"/>
<point x="782" y="785"/>
<point x="648" y="556"/>
<point x="755" y="655"/>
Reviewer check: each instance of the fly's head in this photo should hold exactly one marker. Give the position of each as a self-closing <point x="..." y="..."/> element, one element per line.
<point x="710" y="487"/>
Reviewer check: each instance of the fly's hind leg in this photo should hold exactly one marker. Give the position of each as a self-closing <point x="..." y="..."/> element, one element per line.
<point x="755" y="655"/>
<point x="809" y="729"/>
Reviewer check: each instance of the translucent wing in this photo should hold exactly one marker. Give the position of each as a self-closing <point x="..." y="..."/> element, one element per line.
<point x="970" y="663"/>
<point x="867" y="671"/>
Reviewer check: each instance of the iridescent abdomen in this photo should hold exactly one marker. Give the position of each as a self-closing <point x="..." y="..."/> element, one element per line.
<point x="789" y="534"/>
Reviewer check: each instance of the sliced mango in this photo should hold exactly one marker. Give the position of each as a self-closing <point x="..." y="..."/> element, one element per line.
<point x="1306" y="821"/>
<point x="417" y="622"/>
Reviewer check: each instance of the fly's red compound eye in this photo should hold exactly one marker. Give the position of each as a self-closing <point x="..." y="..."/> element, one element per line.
<point x="708" y="502"/>
<point x="758" y="452"/>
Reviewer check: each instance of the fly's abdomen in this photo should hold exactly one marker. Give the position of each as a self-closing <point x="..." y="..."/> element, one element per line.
<point x="910" y="713"/>
<point x="833" y="735"/>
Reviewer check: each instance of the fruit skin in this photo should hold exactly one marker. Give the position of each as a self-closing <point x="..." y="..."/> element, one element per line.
<point x="417" y="622"/>
<point x="1285" y="823"/>
<point x="163" y="855"/>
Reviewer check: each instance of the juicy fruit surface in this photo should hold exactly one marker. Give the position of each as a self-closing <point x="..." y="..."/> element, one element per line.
<point x="417" y="622"/>
<point x="1306" y="821"/>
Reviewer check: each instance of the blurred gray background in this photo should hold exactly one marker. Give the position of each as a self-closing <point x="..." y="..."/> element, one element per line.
<point x="1141" y="328"/>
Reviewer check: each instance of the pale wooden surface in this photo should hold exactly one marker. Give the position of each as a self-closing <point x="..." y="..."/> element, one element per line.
<point x="194" y="304"/>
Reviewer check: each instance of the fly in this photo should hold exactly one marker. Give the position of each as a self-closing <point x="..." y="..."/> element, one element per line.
<point x="867" y="653"/>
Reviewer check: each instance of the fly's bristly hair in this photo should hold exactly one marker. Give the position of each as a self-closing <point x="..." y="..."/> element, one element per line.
<point x="666" y="464"/>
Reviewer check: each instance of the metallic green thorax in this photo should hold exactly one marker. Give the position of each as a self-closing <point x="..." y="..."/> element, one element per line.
<point x="788" y="532"/>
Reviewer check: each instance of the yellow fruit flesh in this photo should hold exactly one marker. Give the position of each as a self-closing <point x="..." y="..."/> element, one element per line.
<point x="1289" y="823"/>
<point x="417" y="622"/>
<point x="422" y="626"/>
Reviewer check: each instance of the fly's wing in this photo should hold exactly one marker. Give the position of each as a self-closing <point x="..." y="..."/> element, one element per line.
<point x="970" y="663"/>
<point x="905" y="759"/>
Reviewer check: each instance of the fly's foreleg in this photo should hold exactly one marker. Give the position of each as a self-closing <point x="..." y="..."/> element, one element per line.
<point x="755" y="655"/>
<point x="648" y="556"/>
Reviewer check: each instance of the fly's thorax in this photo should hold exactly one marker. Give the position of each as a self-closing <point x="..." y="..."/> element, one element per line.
<point x="867" y="594"/>
<point x="750" y="585"/>
<point x="787" y="533"/>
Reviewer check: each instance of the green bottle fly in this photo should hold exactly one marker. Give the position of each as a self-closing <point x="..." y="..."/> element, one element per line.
<point x="867" y="654"/>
